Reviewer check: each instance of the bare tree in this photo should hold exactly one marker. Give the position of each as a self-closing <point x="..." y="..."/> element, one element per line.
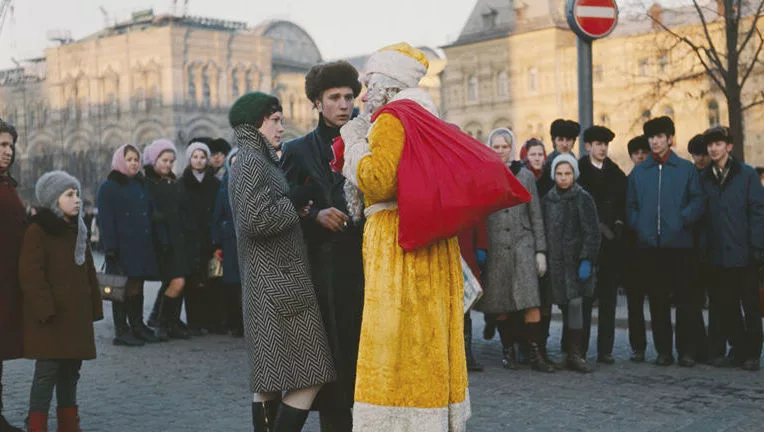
<point x="730" y="65"/>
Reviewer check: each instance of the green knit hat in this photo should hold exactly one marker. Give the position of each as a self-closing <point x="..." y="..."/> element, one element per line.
<point x="250" y="108"/>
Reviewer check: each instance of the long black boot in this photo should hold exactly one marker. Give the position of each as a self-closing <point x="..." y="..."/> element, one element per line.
<point x="506" y="333"/>
<point x="160" y="330"/>
<point x="154" y="315"/>
<point x="575" y="360"/>
<point x="172" y="322"/>
<point x="135" y="317"/>
<point x="489" y="331"/>
<point x="534" y="339"/>
<point x="472" y="364"/>
<point x="122" y="333"/>
<point x="290" y="419"/>
<point x="264" y="415"/>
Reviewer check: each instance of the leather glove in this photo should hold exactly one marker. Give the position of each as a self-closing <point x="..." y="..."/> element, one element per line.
<point x="585" y="270"/>
<point x="482" y="256"/>
<point x="540" y="264"/>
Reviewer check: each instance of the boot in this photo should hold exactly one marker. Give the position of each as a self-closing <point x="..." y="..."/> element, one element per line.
<point x="122" y="333"/>
<point x="472" y="364"/>
<point x="37" y="422"/>
<point x="7" y="427"/>
<point x="154" y="315"/>
<point x="508" y="358"/>
<point x="533" y="331"/>
<point x="161" y="329"/>
<point x="264" y="415"/>
<point x="576" y="361"/>
<point x="290" y="419"/>
<point x="68" y="420"/>
<point x="135" y="317"/>
<point x="176" y="328"/>
<point x="489" y="331"/>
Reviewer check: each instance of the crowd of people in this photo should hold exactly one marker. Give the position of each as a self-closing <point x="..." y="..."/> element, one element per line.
<point x="296" y="247"/>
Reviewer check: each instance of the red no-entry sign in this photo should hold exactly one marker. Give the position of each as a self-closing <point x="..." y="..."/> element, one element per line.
<point x="592" y="19"/>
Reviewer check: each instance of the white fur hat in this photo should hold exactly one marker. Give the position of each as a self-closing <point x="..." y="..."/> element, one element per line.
<point x="401" y="62"/>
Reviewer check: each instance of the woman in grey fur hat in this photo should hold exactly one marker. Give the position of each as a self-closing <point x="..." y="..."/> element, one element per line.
<point x="61" y="300"/>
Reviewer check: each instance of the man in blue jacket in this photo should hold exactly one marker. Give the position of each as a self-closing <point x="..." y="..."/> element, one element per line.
<point x="663" y="201"/>
<point x="734" y="232"/>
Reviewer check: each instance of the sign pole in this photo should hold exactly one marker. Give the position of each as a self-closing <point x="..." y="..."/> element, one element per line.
<point x="585" y="90"/>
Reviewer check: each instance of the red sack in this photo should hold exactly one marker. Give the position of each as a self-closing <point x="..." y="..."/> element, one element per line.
<point x="447" y="180"/>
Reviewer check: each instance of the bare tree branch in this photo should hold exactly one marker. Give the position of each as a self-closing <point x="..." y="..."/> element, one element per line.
<point x="755" y="56"/>
<point x="712" y="50"/>
<point x="755" y="102"/>
<point x="754" y="25"/>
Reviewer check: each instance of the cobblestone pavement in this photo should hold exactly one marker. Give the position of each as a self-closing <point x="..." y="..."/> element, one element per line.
<point x="200" y="385"/>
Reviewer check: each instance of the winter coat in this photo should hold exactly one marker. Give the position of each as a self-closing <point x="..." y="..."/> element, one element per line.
<point x="735" y="224"/>
<point x="202" y="196"/>
<point x="663" y="202"/>
<point x="286" y="341"/>
<point x="607" y="186"/>
<point x="336" y="259"/>
<point x="223" y="234"/>
<point x="572" y="236"/>
<point x="470" y="241"/>
<point x="124" y="220"/>
<point x="515" y="235"/>
<point x="58" y="291"/>
<point x="12" y="227"/>
<point x="172" y="215"/>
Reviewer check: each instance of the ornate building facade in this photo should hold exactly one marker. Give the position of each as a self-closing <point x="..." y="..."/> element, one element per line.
<point x="514" y="65"/>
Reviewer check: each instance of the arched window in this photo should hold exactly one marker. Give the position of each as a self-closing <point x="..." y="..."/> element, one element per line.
<point x="533" y="80"/>
<point x="249" y="80"/>
<point x="472" y="88"/>
<point x="31" y="115"/>
<point x="156" y="98"/>
<point x="502" y="83"/>
<point x="714" y="118"/>
<point x="235" y="83"/>
<point x="206" y="95"/>
<point x="191" y="86"/>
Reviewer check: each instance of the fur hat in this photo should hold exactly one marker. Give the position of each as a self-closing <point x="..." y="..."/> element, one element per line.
<point x="564" y="128"/>
<point x="598" y="133"/>
<point x="658" y="126"/>
<point x="219" y="145"/>
<point x="194" y="147"/>
<point x="251" y="108"/>
<point x="401" y="62"/>
<point x="324" y="76"/>
<point x="697" y="146"/>
<point x="152" y="151"/>
<point x="50" y="186"/>
<point x="638" y="143"/>
<point x="566" y="158"/>
<point x="118" y="162"/>
<point x="718" y="133"/>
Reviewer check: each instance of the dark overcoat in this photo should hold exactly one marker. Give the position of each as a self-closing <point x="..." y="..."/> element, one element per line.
<point x="572" y="236"/>
<point x="13" y="222"/>
<point x="336" y="258"/>
<point x="201" y="196"/>
<point x="224" y="234"/>
<point x="285" y="336"/>
<point x="57" y="291"/>
<point x="124" y="221"/>
<point x="172" y="215"/>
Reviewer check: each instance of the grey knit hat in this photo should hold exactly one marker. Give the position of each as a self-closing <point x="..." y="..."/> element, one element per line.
<point x="568" y="159"/>
<point x="48" y="189"/>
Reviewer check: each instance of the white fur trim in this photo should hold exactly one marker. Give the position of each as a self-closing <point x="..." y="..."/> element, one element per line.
<point x="377" y="418"/>
<point x="378" y="207"/>
<point x="356" y="146"/>
<point x="396" y="65"/>
<point x="419" y="96"/>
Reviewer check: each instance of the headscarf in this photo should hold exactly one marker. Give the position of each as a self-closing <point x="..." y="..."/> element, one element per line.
<point x="152" y="151"/>
<point x="118" y="162"/>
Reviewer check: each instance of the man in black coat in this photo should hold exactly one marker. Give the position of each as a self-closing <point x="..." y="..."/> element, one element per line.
<point x="334" y="241"/>
<point x="606" y="183"/>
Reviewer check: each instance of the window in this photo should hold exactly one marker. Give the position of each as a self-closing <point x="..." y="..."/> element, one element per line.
<point x="646" y="115"/>
<point x="604" y="120"/>
<point x="112" y="109"/>
<point x="248" y="83"/>
<point x="156" y="97"/>
<point x="235" y="83"/>
<point x="31" y="114"/>
<point x="533" y="80"/>
<point x="472" y="88"/>
<point x="206" y="97"/>
<point x="643" y="66"/>
<point x="191" y="86"/>
<point x="714" y="118"/>
<point x="140" y="100"/>
<point x="598" y="73"/>
<point x="71" y="110"/>
<point x="663" y="63"/>
<point x="83" y="110"/>
<point x="502" y="83"/>
<point x="489" y="19"/>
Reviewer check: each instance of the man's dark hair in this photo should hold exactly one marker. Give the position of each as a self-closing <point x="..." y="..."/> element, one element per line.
<point x="6" y="127"/>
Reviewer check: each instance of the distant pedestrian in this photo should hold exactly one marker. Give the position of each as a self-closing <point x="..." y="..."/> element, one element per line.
<point x="564" y="134"/>
<point x="127" y="238"/>
<point x="735" y="236"/>
<point x="14" y="223"/>
<point x="663" y="201"/>
<point x="61" y="300"/>
<point x="606" y="183"/>
<point x="573" y="241"/>
<point x="219" y="150"/>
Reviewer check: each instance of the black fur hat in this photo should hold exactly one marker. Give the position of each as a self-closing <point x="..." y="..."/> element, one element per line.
<point x="658" y="126"/>
<point x="564" y="128"/>
<point x="598" y="133"/>
<point x="638" y="143"/>
<point x="697" y="146"/>
<point x="324" y="76"/>
<point x="219" y="145"/>
<point x="718" y="133"/>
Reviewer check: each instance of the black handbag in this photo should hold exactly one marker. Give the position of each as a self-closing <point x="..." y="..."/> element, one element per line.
<point x="113" y="287"/>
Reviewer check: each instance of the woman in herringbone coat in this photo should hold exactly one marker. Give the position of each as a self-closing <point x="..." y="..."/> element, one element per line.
<point x="285" y="336"/>
<point x="516" y="259"/>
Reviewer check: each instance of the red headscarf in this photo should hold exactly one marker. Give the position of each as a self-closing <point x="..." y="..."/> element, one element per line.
<point x="524" y="157"/>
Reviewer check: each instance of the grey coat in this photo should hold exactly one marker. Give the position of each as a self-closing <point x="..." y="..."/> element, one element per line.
<point x="515" y="235"/>
<point x="572" y="233"/>
<point x="285" y="336"/>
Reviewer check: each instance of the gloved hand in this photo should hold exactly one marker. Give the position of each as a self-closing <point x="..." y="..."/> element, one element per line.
<point x="540" y="264"/>
<point x="585" y="270"/>
<point x="482" y="256"/>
